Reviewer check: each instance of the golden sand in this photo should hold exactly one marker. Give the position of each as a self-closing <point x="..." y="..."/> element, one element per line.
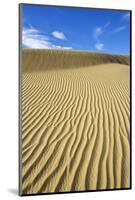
<point x="75" y="123"/>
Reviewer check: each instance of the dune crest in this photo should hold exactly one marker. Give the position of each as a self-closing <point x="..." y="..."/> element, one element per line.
<point x="48" y="59"/>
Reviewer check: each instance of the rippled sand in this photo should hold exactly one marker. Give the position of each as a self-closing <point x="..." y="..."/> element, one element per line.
<point x="75" y="128"/>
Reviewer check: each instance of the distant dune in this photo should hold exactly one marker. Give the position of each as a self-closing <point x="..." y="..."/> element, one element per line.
<point x="75" y="121"/>
<point x="44" y="59"/>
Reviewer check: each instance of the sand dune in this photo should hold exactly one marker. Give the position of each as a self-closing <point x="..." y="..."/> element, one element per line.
<point x="39" y="59"/>
<point x="75" y="126"/>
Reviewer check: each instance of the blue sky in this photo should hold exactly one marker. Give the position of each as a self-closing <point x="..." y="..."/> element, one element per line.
<point x="75" y="29"/>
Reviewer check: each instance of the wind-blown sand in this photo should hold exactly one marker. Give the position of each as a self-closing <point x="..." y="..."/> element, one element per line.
<point x="75" y="122"/>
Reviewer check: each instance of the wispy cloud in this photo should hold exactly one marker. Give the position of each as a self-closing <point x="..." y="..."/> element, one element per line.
<point x="99" y="46"/>
<point x="59" y="35"/>
<point x="119" y="29"/>
<point x="98" y="31"/>
<point x="125" y="16"/>
<point x="107" y="24"/>
<point x="33" y="38"/>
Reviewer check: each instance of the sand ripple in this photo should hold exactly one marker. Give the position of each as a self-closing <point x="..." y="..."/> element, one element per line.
<point x="76" y="129"/>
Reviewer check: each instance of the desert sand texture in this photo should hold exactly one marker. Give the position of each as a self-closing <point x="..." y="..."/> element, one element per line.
<point x="75" y="121"/>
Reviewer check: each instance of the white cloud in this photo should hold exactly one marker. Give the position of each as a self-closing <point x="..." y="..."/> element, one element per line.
<point x="59" y="35"/>
<point x="33" y="38"/>
<point x="99" y="46"/>
<point x="119" y="29"/>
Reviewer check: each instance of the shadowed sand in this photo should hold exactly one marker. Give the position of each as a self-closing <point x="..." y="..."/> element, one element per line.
<point x="75" y="121"/>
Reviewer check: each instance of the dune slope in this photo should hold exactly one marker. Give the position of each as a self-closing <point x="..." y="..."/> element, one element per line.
<point x="44" y="59"/>
<point x="75" y="128"/>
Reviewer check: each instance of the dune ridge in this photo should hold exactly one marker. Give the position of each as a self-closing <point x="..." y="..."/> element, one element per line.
<point x="75" y="127"/>
<point x="47" y="59"/>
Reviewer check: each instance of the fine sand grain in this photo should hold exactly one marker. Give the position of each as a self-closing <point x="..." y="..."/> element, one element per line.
<point x="75" y="123"/>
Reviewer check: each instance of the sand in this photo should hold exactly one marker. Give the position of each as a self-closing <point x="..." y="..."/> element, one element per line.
<point x="75" y="126"/>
